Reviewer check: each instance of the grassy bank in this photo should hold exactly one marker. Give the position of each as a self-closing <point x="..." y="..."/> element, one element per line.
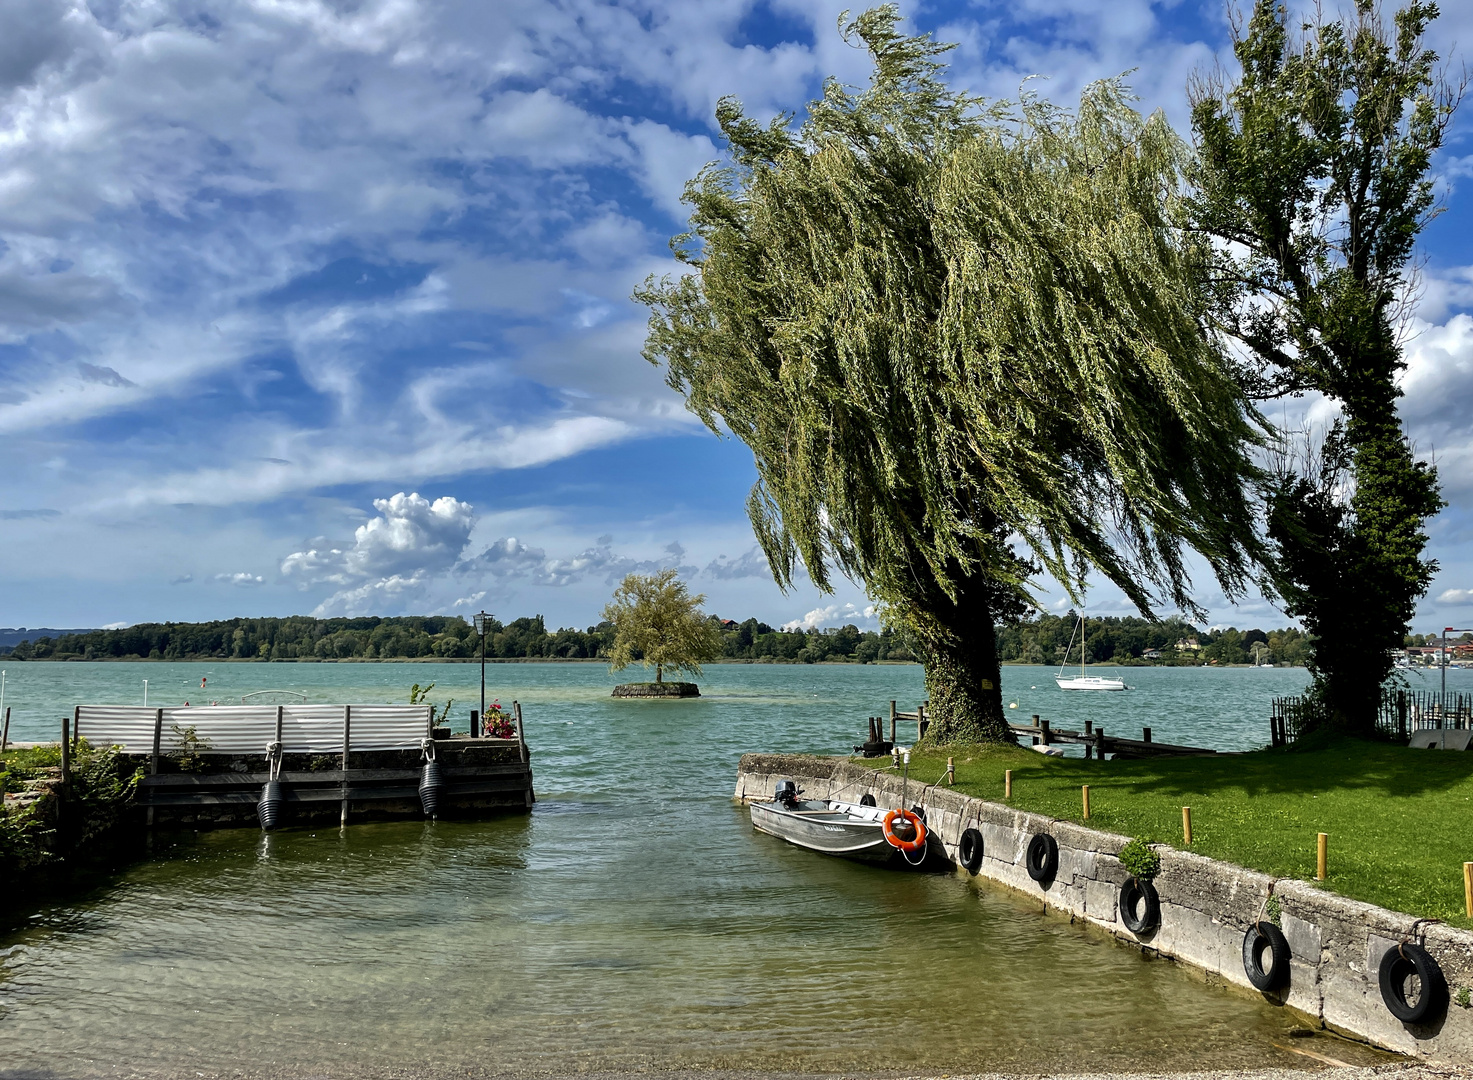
<point x="1400" y="821"/>
<point x="33" y="838"/>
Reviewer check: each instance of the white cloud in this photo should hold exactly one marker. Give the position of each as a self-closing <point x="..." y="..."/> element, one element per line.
<point x="1456" y="597"/>
<point x="751" y="564"/>
<point x="242" y="579"/>
<point x="411" y="536"/>
<point x="833" y="615"/>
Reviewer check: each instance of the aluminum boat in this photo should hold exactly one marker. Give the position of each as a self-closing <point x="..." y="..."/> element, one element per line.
<point x="850" y="830"/>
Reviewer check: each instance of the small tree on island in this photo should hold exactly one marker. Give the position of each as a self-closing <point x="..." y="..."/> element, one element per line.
<point x="658" y="622"/>
<point x="964" y="343"/>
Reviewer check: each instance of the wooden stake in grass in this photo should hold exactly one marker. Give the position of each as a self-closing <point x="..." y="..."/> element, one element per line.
<point x="1186" y="825"/>
<point x="1468" y="888"/>
<point x="1007" y="784"/>
<point x="1322" y="857"/>
<point x="951" y="772"/>
<point x="1086" y="802"/>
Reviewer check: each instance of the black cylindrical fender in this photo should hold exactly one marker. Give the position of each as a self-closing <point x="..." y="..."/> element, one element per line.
<point x="1140" y="907"/>
<point x="1043" y="858"/>
<point x="866" y="799"/>
<point x="1265" y="937"/>
<point x="1397" y="968"/>
<point x="269" y="808"/>
<point x="969" y="851"/>
<point x="430" y="787"/>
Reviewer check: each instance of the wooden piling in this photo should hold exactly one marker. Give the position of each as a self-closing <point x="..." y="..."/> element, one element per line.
<point x="76" y="725"/>
<point x="1100" y="743"/>
<point x="153" y="761"/>
<point x="516" y="708"/>
<point x="1145" y="734"/>
<point x="1186" y="825"/>
<point x="951" y="772"/>
<point x="1086" y="802"/>
<point x="66" y="749"/>
<point x="920" y="721"/>
<point x="5" y="734"/>
<point x="1468" y="888"/>
<point x="279" y="710"/>
<point x="1043" y="732"/>
<point x="1322" y="857"/>
<point x="892" y="723"/>
<point x="347" y="741"/>
<point x="1007" y="784"/>
<point x="1089" y="751"/>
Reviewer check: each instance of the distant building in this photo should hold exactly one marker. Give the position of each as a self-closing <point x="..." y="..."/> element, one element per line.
<point x="1189" y="644"/>
<point x="1151" y="654"/>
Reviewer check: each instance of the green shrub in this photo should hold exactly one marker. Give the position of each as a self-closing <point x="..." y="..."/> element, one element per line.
<point x="1140" y="859"/>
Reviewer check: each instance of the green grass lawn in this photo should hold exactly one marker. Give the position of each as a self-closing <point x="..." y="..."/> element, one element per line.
<point x="1400" y="821"/>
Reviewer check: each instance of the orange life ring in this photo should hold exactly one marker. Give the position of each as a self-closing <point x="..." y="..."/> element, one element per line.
<point x="895" y="841"/>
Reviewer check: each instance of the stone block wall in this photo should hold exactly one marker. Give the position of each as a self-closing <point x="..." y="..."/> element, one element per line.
<point x="1206" y="905"/>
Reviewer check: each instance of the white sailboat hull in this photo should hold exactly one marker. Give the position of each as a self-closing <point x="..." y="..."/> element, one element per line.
<point x="1088" y="682"/>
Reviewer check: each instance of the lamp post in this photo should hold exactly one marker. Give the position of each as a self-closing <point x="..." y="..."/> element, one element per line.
<point x="482" y="620"/>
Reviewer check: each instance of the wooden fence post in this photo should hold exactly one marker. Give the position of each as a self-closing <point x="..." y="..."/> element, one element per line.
<point x="153" y="761"/>
<point x="1089" y="751"/>
<point x="1086" y="802"/>
<point x="347" y="741"/>
<point x="1043" y="731"/>
<point x="1100" y="743"/>
<point x="920" y="721"/>
<point x="66" y="749"/>
<point x="1145" y="734"/>
<point x="5" y="735"/>
<point x="1468" y="888"/>
<point x="951" y="772"/>
<point x="76" y="725"/>
<point x="892" y="722"/>
<point x="1322" y="857"/>
<point x="516" y="708"/>
<point x="1186" y="825"/>
<point x="1007" y="784"/>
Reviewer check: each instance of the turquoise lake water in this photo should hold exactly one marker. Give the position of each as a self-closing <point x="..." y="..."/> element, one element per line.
<point x="632" y="921"/>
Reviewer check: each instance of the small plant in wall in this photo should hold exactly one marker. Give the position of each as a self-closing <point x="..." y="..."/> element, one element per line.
<point x="1461" y="997"/>
<point x="1273" y="910"/>
<point x="1140" y="860"/>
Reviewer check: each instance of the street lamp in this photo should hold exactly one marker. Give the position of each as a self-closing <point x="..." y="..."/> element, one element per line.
<point x="482" y="620"/>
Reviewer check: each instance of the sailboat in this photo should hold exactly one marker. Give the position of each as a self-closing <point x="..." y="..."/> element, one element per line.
<point x="1083" y="681"/>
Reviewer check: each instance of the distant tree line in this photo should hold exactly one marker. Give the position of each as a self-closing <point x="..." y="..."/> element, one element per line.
<point x="1038" y="640"/>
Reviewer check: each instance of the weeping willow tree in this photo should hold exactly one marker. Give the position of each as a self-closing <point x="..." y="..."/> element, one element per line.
<point x="965" y="345"/>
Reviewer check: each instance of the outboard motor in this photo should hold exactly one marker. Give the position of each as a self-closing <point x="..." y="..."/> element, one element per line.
<point x="786" y="794"/>
<point x="430" y="782"/>
<point x="269" y="808"/>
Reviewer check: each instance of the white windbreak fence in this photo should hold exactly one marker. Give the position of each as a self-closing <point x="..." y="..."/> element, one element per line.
<point x="247" y="729"/>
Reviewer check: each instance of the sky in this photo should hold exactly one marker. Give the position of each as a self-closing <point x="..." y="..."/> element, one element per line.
<point x="312" y="307"/>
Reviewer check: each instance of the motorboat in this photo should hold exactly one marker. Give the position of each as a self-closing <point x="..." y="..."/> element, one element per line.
<point x="860" y="831"/>
<point x="1083" y="681"/>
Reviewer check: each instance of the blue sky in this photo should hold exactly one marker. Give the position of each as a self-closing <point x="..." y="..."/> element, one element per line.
<point x="312" y="306"/>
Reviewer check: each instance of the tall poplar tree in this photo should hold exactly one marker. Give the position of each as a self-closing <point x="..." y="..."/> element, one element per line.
<point x="965" y="343"/>
<point x="1313" y="178"/>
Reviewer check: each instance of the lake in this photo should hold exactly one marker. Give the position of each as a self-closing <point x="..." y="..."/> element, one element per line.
<point x="632" y="921"/>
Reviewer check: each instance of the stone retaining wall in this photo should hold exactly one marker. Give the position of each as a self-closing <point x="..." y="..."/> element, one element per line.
<point x="1206" y="905"/>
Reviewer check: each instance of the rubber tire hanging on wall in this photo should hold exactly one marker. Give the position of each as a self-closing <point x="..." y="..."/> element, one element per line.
<point x="1043" y="858"/>
<point x="1136" y="889"/>
<point x="1400" y="962"/>
<point x="969" y="851"/>
<point x="1261" y="937"/>
<point x="867" y="799"/>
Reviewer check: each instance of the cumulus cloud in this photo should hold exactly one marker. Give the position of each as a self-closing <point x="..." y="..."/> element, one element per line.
<point x="1456" y="597"/>
<point x="832" y="615"/>
<point x="241" y="578"/>
<point x="410" y="536"/>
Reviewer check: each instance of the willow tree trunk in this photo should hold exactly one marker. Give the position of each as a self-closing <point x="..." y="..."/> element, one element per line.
<point x="963" y="677"/>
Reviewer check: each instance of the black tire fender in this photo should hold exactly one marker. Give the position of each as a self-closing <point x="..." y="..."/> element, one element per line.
<point x="969" y="851"/>
<point x="1266" y="937"/>
<point x="1399" y="964"/>
<point x="1139" y="891"/>
<point x="1043" y="857"/>
<point x="866" y="799"/>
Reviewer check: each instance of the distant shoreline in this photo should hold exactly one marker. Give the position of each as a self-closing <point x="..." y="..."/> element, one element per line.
<point x="549" y="660"/>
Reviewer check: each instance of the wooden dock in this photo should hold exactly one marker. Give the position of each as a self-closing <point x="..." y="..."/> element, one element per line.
<point x="1041" y="733"/>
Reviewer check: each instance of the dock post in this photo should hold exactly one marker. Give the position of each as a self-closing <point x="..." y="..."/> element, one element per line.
<point x="1007" y="783"/>
<point x="1100" y="743"/>
<point x="1322" y="857"/>
<point x="516" y="708"/>
<point x="279" y="710"/>
<point x="1145" y="734"/>
<point x="920" y="721"/>
<point x="1186" y="825"/>
<point x="347" y="735"/>
<point x="1089" y="751"/>
<point x="1086" y="802"/>
<point x="5" y="734"/>
<point x="66" y="766"/>
<point x="892" y="722"/>
<point x="153" y="761"/>
<point x="76" y="725"/>
<point x="1043" y="731"/>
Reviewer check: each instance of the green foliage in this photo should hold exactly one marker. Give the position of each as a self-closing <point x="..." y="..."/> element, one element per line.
<point x="658" y="623"/>
<point x="98" y="794"/>
<point x="940" y="325"/>
<point x="1314" y="177"/>
<point x="419" y="695"/>
<point x="1140" y="860"/>
<point x="1461" y="998"/>
<point x="1274" y="909"/>
<point x="190" y="751"/>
